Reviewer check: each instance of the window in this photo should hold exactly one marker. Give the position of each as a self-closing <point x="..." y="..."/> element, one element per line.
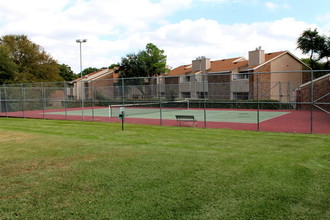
<point x="241" y="95"/>
<point x="240" y="75"/>
<point x="185" y="95"/>
<point x="201" y="95"/>
<point x="185" y="79"/>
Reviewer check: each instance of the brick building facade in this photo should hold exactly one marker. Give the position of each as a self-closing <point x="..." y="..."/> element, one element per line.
<point x="321" y="93"/>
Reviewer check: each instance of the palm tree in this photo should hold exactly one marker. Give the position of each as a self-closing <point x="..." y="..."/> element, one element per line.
<point x="310" y="42"/>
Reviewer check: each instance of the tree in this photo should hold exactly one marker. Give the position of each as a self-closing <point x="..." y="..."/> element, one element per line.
<point x="66" y="73"/>
<point x="32" y="62"/>
<point x="310" y="42"/>
<point x="154" y="60"/>
<point x="147" y="63"/>
<point x="132" y="66"/>
<point x="8" y="68"/>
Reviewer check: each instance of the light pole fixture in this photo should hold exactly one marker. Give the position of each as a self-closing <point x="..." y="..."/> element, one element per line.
<point x="80" y="41"/>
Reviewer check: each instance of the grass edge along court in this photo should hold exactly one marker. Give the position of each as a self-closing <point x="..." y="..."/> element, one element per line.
<point x="83" y="170"/>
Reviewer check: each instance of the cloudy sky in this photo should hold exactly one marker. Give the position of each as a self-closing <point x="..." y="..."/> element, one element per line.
<point x="185" y="29"/>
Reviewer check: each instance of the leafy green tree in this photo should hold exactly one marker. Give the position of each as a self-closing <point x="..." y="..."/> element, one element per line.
<point x="310" y="42"/>
<point x="132" y="66"/>
<point x="66" y="73"/>
<point x="147" y="63"/>
<point x="32" y="61"/>
<point x="154" y="60"/>
<point x="8" y="68"/>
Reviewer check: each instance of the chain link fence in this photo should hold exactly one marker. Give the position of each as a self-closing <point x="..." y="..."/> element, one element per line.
<point x="267" y="101"/>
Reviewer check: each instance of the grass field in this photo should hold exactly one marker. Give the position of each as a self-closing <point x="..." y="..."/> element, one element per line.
<point x="87" y="170"/>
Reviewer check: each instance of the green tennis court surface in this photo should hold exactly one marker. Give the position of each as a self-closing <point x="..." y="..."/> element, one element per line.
<point x="155" y="113"/>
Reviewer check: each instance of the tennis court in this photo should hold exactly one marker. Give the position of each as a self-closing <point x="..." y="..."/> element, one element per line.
<point x="237" y="119"/>
<point x="213" y="115"/>
<point x="215" y="102"/>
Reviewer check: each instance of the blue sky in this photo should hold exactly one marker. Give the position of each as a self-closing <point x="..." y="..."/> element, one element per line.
<point x="230" y="12"/>
<point x="185" y="29"/>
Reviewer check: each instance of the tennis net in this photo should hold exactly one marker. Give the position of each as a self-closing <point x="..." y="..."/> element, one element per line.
<point x="147" y="107"/>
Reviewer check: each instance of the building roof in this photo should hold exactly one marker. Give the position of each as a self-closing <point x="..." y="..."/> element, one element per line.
<point x="181" y="70"/>
<point x="228" y="65"/>
<point x="216" y="66"/>
<point x="272" y="56"/>
<point x="98" y="75"/>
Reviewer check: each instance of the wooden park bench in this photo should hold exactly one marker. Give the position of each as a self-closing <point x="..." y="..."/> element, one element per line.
<point x="185" y="118"/>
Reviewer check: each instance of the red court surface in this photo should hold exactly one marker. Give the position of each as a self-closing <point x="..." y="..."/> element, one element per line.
<point x="292" y="122"/>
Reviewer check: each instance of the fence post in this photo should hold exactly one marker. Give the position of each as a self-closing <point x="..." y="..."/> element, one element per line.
<point x="65" y="86"/>
<point x="204" y="99"/>
<point x="92" y="94"/>
<point x="5" y="97"/>
<point x="82" y="98"/>
<point x="122" y="91"/>
<point x="43" y="99"/>
<point x="258" y="104"/>
<point x="22" y="100"/>
<point x="2" y="100"/>
<point x="312" y="101"/>
<point x="160" y="100"/>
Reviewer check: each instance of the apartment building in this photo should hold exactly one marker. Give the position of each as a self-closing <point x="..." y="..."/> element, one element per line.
<point x="273" y="75"/>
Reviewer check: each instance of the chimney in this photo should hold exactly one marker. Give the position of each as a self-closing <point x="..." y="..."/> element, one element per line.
<point x="256" y="57"/>
<point x="201" y="64"/>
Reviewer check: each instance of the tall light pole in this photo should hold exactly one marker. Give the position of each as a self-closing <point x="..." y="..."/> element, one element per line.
<point x="80" y="41"/>
<point x="203" y="72"/>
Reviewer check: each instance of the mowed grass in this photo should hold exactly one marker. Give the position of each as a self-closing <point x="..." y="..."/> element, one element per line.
<point x="87" y="170"/>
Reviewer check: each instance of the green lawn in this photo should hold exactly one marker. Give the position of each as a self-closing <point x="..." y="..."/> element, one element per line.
<point x="87" y="170"/>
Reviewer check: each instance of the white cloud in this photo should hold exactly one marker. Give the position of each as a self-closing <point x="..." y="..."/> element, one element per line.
<point x="271" y="5"/>
<point x="107" y="24"/>
<point x="189" y="39"/>
<point x="279" y="4"/>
